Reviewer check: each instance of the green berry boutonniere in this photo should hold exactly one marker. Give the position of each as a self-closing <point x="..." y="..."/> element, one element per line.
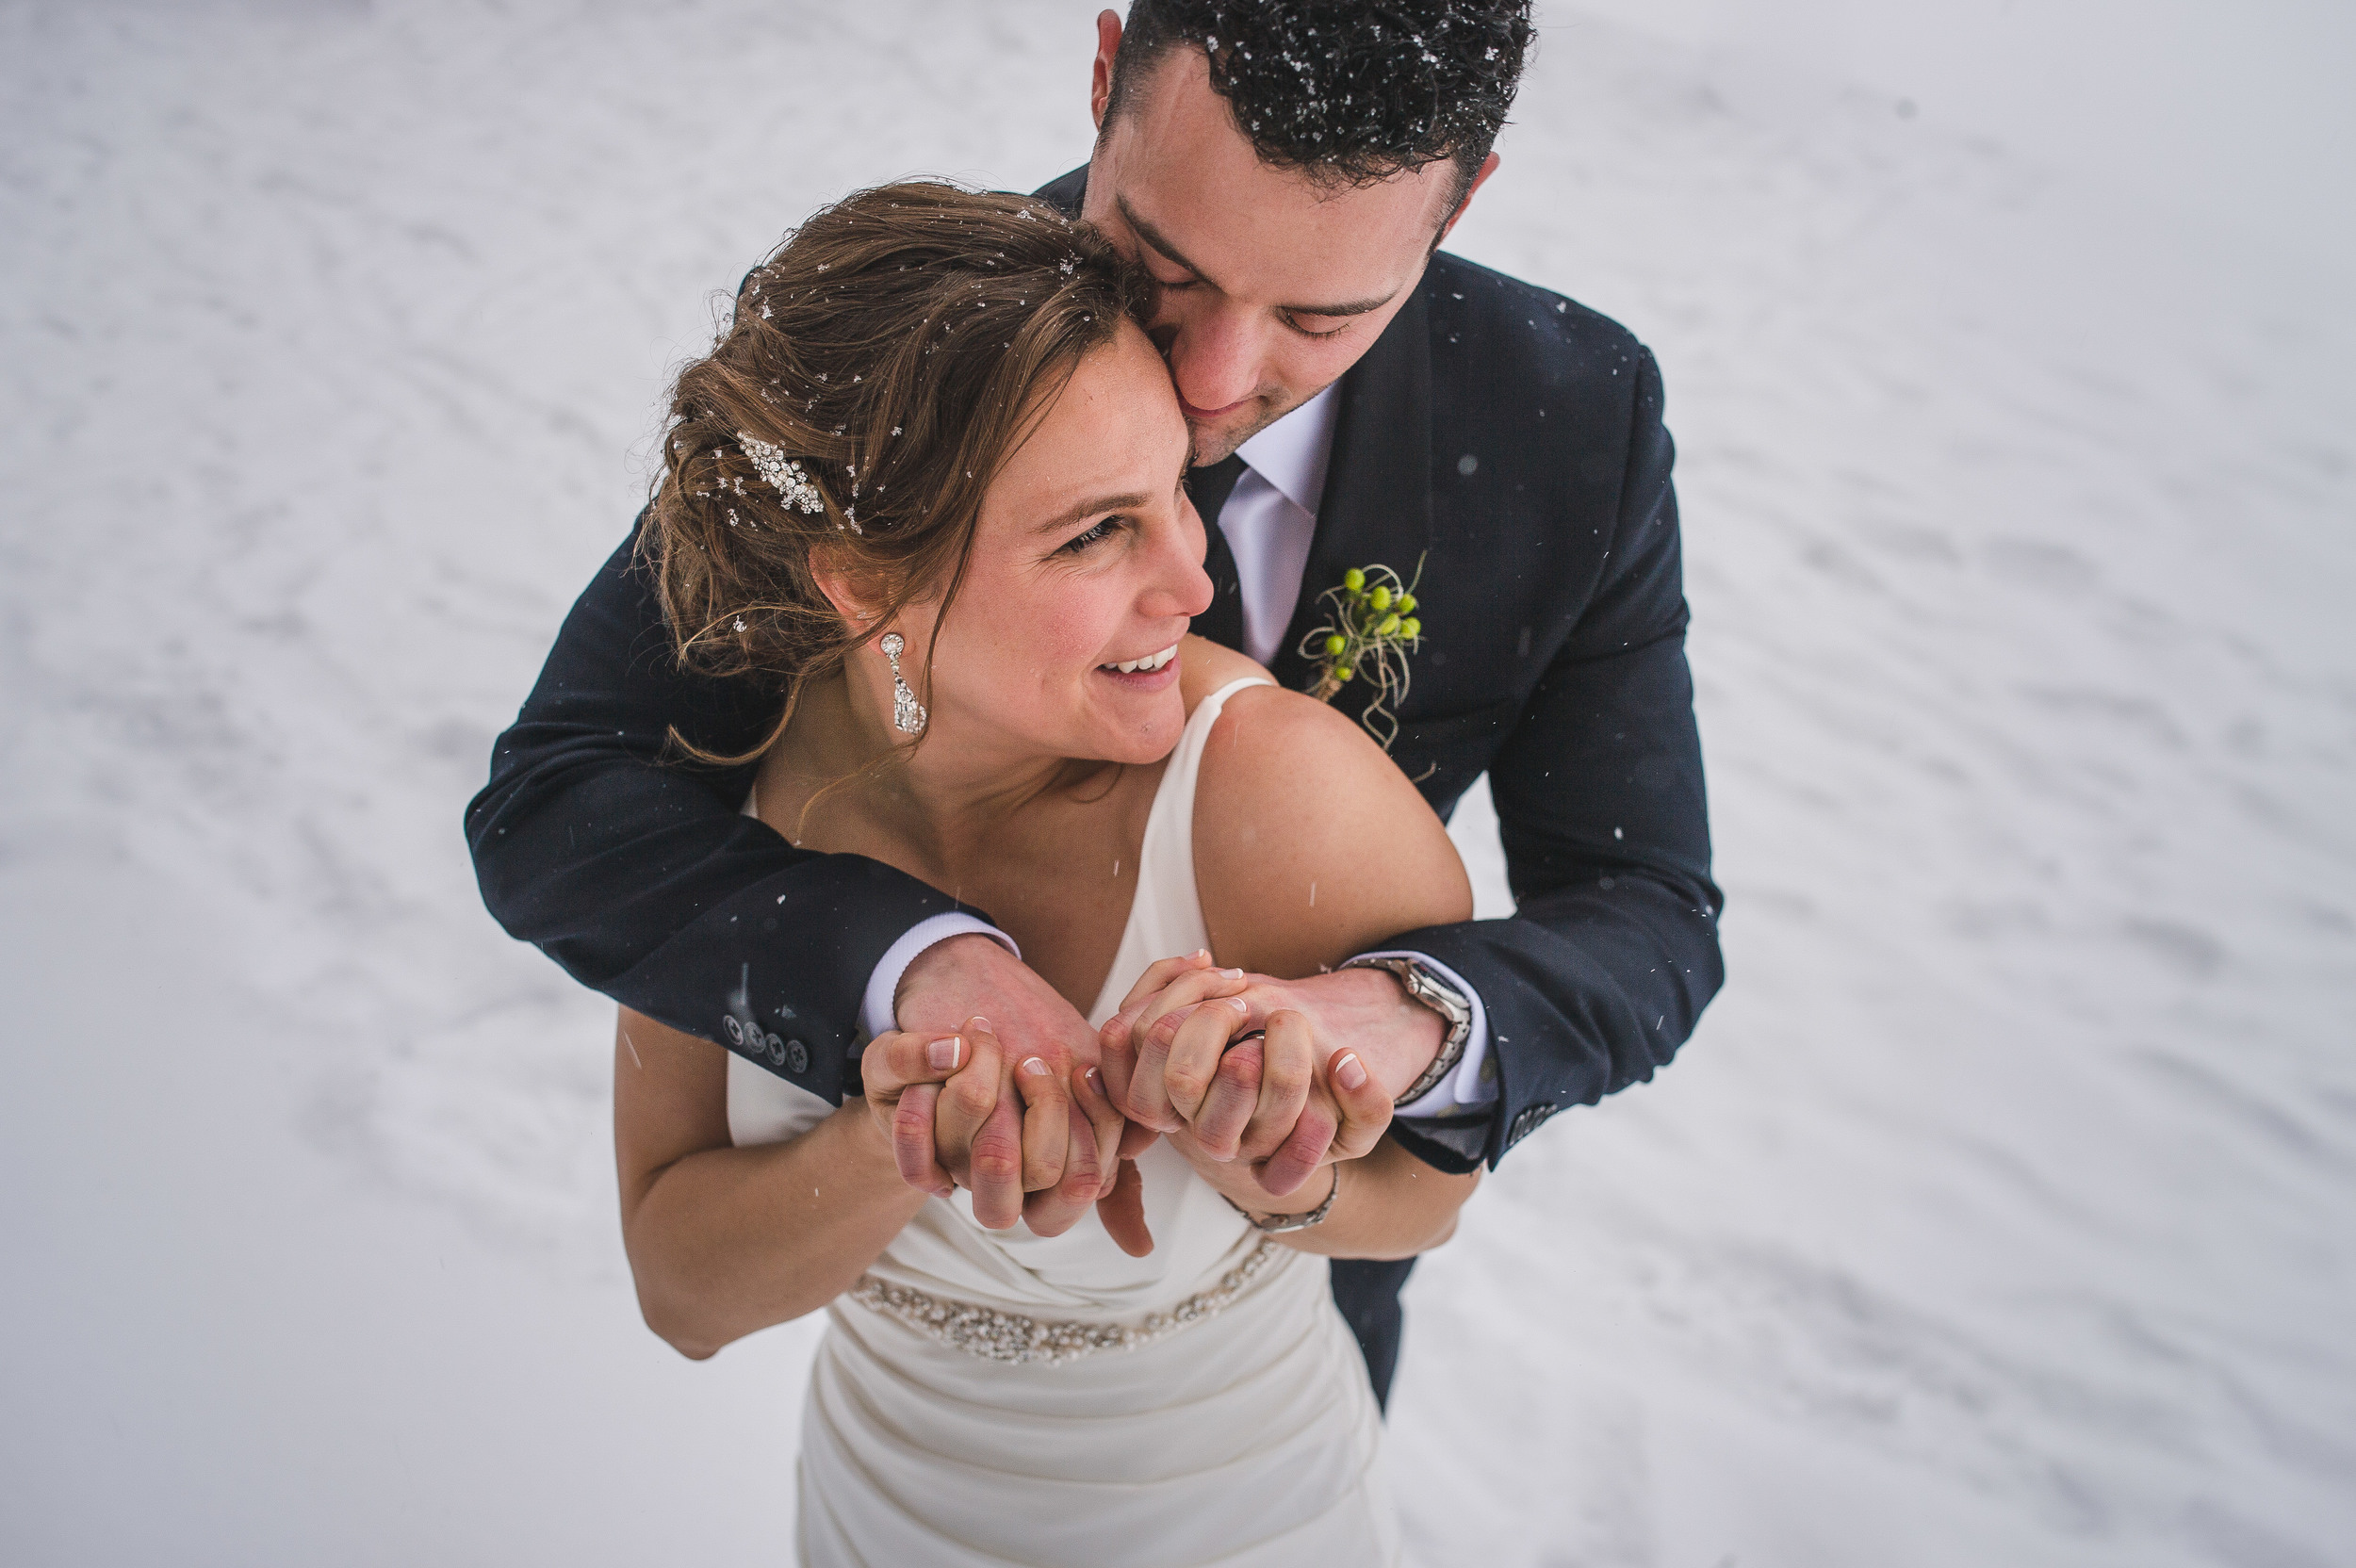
<point x="1370" y="630"/>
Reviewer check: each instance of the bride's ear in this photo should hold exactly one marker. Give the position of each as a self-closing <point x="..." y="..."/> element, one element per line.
<point x="843" y="587"/>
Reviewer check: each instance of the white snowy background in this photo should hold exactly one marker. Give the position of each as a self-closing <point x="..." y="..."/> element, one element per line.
<point x="1999" y="1213"/>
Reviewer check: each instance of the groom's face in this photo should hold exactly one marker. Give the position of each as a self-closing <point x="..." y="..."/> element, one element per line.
<point x="1271" y="284"/>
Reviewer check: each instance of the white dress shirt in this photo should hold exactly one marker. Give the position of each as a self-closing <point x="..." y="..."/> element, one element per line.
<point x="1272" y="516"/>
<point x="1269" y="519"/>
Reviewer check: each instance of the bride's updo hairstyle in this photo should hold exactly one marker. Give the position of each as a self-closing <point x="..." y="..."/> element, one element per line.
<point x="881" y="367"/>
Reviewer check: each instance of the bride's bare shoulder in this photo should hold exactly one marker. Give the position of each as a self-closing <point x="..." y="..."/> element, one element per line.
<point x="1204" y="667"/>
<point x="1309" y="843"/>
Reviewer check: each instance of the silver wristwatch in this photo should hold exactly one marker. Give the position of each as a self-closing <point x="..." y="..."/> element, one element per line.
<point x="1442" y="998"/>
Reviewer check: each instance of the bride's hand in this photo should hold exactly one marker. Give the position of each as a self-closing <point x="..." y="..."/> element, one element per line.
<point x="900" y="1074"/>
<point x="1041" y="1141"/>
<point x="1280" y="1106"/>
<point x="986" y="1110"/>
<point x="1332" y="1120"/>
<point x="1074" y="1151"/>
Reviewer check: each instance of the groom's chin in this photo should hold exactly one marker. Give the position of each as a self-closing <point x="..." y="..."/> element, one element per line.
<point x="1217" y="440"/>
<point x="1209" y="446"/>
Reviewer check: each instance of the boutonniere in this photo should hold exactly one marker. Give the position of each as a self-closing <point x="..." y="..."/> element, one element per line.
<point x="1370" y="628"/>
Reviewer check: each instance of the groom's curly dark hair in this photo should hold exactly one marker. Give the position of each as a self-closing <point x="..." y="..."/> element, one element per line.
<point x="1346" y="90"/>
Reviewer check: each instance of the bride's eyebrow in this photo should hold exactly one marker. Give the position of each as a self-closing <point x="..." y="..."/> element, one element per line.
<point x="1071" y="514"/>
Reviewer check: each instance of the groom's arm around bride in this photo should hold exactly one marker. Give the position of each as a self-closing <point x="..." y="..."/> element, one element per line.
<point x="1504" y="436"/>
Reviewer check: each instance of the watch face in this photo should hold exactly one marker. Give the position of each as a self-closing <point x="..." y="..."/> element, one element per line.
<point x="1443" y="996"/>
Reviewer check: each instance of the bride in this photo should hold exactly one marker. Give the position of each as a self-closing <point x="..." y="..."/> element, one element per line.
<point x="929" y="483"/>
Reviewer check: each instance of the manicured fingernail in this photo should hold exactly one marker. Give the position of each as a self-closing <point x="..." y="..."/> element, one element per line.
<point x="1204" y="954"/>
<point x="1348" y="1072"/>
<point x="944" y="1053"/>
<point x="1034" y="1066"/>
<point x="1238" y="1003"/>
<point x="977" y="1022"/>
<point x="1096" y="1080"/>
<point x="1232" y="973"/>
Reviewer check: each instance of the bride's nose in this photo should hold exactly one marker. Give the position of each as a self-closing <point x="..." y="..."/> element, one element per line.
<point x="1178" y="585"/>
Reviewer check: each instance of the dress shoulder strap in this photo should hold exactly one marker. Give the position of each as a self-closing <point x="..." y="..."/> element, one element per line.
<point x="1175" y="799"/>
<point x="1165" y="911"/>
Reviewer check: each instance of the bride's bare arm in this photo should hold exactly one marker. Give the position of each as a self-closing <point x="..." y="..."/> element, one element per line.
<point x="1311" y="846"/>
<point x="724" y="1241"/>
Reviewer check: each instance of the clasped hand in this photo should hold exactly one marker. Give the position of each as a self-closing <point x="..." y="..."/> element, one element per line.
<point x="1041" y="1117"/>
<point x="1029" y="1131"/>
<point x="1232" y="1067"/>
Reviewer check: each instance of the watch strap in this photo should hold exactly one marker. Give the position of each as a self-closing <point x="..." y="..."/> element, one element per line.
<point x="1443" y="999"/>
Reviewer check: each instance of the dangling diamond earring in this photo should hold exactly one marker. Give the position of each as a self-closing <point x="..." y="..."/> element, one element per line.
<point x="907" y="714"/>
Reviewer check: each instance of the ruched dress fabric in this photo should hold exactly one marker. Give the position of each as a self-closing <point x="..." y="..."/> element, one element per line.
<point x="1245" y="1436"/>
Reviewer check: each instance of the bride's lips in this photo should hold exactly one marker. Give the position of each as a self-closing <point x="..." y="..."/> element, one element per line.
<point x="1153" y="672"/>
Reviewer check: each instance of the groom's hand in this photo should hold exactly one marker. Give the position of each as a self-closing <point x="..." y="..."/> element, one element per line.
<point x="1284" y="1105"/>
<point x="1019" y="1154"/>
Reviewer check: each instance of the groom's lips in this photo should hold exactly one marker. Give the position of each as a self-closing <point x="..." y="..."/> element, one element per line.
<point x="1206" y="416"/>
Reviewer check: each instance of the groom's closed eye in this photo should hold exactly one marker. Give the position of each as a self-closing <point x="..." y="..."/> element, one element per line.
<point x="1314" y="326"/>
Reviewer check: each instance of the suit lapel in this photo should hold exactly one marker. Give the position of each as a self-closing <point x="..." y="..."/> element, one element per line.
<point x="1377" y="506"/>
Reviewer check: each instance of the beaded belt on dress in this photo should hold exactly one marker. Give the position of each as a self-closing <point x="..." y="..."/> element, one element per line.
<point x="1008" y="1336"/>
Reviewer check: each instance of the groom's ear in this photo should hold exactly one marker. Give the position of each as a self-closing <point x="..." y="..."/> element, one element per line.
<point x="1101" y="76"/>
<point x="1481" y="177"/>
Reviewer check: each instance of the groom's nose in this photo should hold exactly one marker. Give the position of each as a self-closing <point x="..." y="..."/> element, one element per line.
<point x="1215" y="351"/>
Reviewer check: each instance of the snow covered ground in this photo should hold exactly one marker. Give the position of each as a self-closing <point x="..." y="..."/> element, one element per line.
<point x="2001" y="1212"/>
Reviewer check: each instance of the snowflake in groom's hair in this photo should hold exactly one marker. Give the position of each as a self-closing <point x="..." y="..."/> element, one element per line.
<point x="1347" y="90"/>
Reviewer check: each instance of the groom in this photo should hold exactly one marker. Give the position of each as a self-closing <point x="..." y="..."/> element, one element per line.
<point x="1287" y="171"/>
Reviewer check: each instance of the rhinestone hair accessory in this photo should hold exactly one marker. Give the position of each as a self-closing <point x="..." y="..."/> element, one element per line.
<point x="783" y="473"/>
<point x="907" y="714"/>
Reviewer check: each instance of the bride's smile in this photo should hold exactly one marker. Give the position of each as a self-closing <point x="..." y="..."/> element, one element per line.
<point x="1061" y="638"/>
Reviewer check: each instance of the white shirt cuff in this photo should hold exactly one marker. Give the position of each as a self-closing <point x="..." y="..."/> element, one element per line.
<point x="1467" y="1088"/>
<point x="874" y="1012"/>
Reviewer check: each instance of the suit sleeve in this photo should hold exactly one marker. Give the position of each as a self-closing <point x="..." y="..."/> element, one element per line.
<point x="636" y="871"/>
<point x="1612" y="953"/>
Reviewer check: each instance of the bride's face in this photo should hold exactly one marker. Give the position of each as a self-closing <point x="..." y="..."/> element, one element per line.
<point x="1087" y="556"/>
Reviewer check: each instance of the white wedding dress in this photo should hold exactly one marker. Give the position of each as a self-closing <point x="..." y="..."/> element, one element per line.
<point x="989" y="1398"/>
